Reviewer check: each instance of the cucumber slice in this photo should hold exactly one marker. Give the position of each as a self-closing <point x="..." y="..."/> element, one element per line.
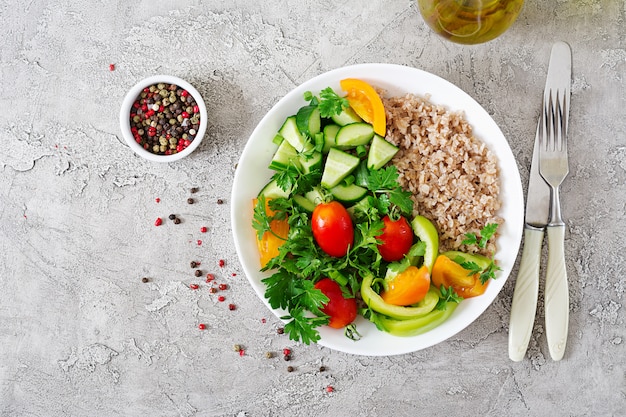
<point x="311" y="162"/>
<point x="380" y="152"/>
<point x="348" y="193"/>
<point x="285" y="155"/>
<point x="304" y="203"/>
<point x="330" y="132"/>
<point x="353" y="135"/>
<point x="290" y="132"/>
<point x="315" y="196"/>
<point x="272" y="190"/>
<point x="339" y="164"/>
<point x="308" y="120"/>
<point x="346" y="117"/>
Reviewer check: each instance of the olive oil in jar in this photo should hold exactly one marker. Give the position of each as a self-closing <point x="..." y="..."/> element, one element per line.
<point x="470" y="21"/>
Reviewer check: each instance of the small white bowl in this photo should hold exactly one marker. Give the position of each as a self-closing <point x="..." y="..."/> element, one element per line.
<point x="125" y="111"/>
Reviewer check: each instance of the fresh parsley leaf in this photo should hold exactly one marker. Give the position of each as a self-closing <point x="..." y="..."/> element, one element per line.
<point x="489" y="272"/>
<point x="384" y="179"/>
<point x="448" y="295"/>
<point x="260" y="220"/>
<point x="303" y="328"/>
<point x="402" y="200"/>
<point x="331" y="104"/>
<point x="486" y="233"/>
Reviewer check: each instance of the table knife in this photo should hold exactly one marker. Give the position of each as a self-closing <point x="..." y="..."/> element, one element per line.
<point x="536" y="219"/>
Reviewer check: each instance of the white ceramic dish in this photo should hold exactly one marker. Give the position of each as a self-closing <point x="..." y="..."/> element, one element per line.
<point x="252" y="173"/>
<point x="130" y="98"/>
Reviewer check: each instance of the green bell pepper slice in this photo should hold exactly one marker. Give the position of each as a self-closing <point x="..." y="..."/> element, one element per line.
<point x="376" y="303"/>
<point x="427" y="233"/>
<point x="419" y="325"/>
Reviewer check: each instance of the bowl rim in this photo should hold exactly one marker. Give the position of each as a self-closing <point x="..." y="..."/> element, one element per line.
<point x="130" y="98"/>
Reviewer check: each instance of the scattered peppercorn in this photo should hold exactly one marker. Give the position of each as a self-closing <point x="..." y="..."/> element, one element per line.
<point x="290" y="369"/>
<point x="201" y="326"/>
<point x="198" y="273"/>
<point x="237" y="348"/>
<point x="193" y="264"/>
<point x="158" y="221"/>
<point x="232" y="307"/>
<point x="194" y="286"/>
<point x="203" y="229"/>
<point x="158" y="200"/>
<point x="212" y="290"/>
<point x="322" y="368"/>
<point x="287" y="358"/>
<point x="269" y="355"/>
<point x="190" y="201"/>
<point x="176" y="220"/>
<point x="221" y="298"/>
<point x="220" y="201"/>
<point x="242" y="352"/>
<point x="172" y="216"/>
<point x="222" y="263"/>
<point x="199" y="242"/>
<point x="194" y="190"/>
<point x="329" y="388"/>
<point x="280" y="330"/>
<point x="223" y="287"/>
<point x="111" y="67"/>
<point x="286" y="351"/>
<point x="209" y="277"/>
<point x="145" y="279"/>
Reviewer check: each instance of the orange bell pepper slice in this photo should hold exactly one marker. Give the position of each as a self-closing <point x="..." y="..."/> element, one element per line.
<point x="408" y="287"/>
<point x="366" y="102"/>
<point x="270" y="241"/>
<point x="448" y="273"/>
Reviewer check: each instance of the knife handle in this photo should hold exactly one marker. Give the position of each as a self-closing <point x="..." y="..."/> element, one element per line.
<point x="556" y="293"/>
<point x="525" y="296"/>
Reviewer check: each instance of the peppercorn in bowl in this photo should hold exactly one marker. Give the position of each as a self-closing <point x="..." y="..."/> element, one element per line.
<point x="163" y="118"/>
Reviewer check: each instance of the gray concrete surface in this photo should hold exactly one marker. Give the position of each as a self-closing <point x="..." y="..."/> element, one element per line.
<point x="81" y="335"/>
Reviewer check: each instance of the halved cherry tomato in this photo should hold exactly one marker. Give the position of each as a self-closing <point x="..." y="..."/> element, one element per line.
<point x="270" y="242"/>
<point x="397" y="238"/>
<point x="366" y="102"/>
<point x="342" y="311"/>
<point x="332" y="228"/>
<point x="448" y="273"/>
<point x="408" y="287"/>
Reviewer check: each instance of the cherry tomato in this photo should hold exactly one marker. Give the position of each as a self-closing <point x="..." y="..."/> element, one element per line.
<point x="342" y="311"/>
<point x="332" y="228"/>
<point x="397" y="238"/>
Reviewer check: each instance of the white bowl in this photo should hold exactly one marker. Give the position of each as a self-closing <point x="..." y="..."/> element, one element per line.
<point x="127" y="104"/>
<point x="253" y="172"/>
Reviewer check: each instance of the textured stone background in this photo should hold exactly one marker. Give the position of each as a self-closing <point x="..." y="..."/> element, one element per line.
<point x="80" y="335"/>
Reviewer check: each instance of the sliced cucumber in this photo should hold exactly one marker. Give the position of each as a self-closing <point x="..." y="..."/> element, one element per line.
<point x="339" y="164"/>
<point x="353" y="135"/>
<point x="304" y="203"/>
<point x="308" y="120"/>
<point x="310" y="162"/>
<point x="330" y="132"/>
<point x="346" y="117"/>
<point x="348" y="193"/>
<point x="272" y="190"/>
<point x="285" y="155"/>
<point x="315" y="196"/>
<point x="290" y="132"/>
<point x="380" y="152"/>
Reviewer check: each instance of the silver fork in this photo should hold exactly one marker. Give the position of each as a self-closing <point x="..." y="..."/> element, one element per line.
<point x="553" y="167"/>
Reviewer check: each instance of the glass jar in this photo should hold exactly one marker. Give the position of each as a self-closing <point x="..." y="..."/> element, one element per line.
<point x="470" y="21"/>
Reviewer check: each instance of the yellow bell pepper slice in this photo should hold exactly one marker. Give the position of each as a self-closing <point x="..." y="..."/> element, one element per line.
<point x="269" y="243"/>
<point x="408" y="287"/>
<point x="366" y="102"/>
<point x="448" y="273"/>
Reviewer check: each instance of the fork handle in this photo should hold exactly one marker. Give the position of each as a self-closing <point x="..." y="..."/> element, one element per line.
<point x="524" y="304"/>
<point x="556" y="293"/>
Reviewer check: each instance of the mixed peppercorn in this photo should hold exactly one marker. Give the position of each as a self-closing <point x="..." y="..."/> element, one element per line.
<point x="164" y="119"/>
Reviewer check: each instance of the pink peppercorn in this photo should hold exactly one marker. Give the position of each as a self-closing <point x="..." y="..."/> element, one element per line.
<point x="194" y="286"/>
<point x="201" y="326"/>
<point x="221" y="298"/>
<point x="158" y="221"/>
<point x="203" y="229"/>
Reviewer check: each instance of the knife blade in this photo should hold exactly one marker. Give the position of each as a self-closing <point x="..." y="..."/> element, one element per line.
<point x="536" y="219"/>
